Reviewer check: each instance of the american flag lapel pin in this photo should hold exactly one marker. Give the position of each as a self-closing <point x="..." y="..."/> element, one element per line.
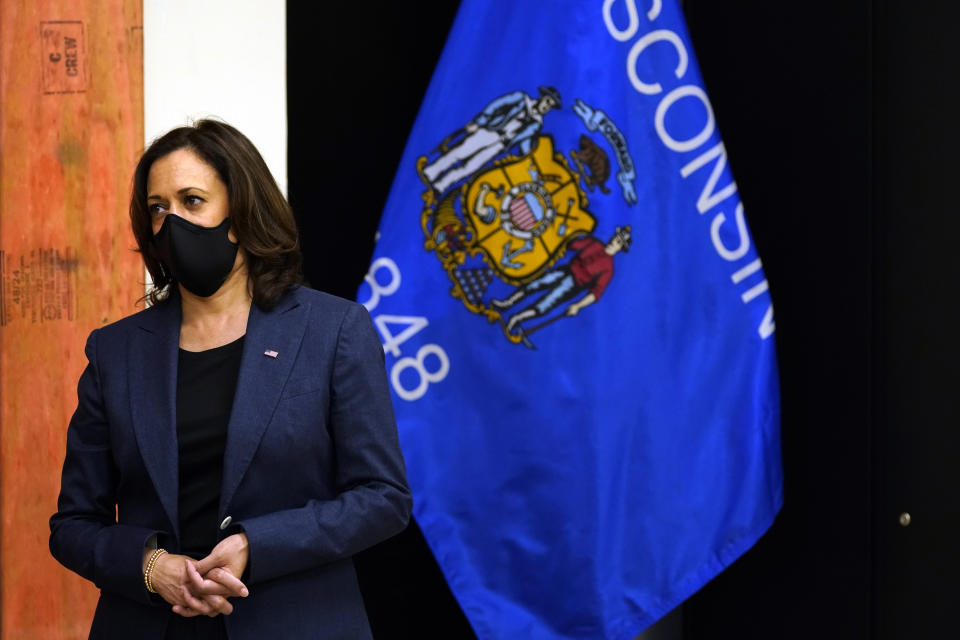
<point x="270" y="353"/>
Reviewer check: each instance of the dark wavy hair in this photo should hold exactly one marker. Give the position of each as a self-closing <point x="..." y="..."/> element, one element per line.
<point x="260" y="216"/>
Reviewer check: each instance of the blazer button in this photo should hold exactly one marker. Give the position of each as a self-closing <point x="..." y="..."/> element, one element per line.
<point x="226" y="523"/>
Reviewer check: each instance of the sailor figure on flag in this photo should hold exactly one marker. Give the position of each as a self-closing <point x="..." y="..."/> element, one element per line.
<point x="512" y="119"/>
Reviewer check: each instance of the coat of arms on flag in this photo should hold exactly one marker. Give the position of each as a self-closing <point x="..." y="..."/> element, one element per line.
<point x="503" y="207"/>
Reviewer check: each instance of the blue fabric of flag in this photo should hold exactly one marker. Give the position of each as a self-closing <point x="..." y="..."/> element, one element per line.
<point x="578" y="330"/>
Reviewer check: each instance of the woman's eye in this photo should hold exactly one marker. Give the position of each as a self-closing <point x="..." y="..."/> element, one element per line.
<point x="156" y="209"/>
<point x="192" y="201"/>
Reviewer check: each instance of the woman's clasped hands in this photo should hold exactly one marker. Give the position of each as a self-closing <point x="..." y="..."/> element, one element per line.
<point x="201" y="587"/>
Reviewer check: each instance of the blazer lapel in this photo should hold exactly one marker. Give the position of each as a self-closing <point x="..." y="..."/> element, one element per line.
<point x="269" y="350"/>
<point x="152" y="374"/>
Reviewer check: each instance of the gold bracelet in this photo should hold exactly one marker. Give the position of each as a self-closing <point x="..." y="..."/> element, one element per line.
<point x="148" y="573"/>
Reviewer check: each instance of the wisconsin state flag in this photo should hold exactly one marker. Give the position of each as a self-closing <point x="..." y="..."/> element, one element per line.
<point x="578" y="330"/>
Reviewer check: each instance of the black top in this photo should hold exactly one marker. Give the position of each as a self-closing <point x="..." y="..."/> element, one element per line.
<point x="206" y="382"/>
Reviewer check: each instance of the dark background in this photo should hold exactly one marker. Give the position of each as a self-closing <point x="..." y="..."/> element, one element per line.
<point x="840" y="120"/>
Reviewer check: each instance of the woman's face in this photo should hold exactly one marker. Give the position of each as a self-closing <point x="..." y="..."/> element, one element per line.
<point x="182" y="184"/>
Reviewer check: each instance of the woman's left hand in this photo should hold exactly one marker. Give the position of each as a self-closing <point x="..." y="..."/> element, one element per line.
<point x="230" y="554"/>
<point x="218" y="573"/>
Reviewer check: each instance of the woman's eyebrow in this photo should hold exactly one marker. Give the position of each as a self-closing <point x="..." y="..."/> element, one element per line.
<point x="179" y="192"/>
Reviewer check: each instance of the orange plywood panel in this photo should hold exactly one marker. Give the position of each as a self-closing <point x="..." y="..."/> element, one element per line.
<point x="71" y="128"/>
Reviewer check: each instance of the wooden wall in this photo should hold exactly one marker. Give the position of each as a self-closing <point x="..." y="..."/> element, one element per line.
<point x="71" y="128"/>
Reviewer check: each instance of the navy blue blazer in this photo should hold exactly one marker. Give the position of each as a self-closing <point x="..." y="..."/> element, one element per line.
<point x="312" y="468"/>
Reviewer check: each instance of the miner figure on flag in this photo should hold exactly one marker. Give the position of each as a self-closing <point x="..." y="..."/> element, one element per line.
<point x="591" y="269"/>
<point x="510" y="120"/>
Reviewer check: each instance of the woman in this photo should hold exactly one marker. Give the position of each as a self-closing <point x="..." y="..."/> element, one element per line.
<point x="233" y="444"/>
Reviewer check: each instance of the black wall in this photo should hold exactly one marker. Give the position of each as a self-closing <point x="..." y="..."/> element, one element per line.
<point x="917" y="343"/>
<point x="841" y="126"/>
<point x="840" y="122"/>
<point x="793" y="94"/>
<point x="356" y="74"/>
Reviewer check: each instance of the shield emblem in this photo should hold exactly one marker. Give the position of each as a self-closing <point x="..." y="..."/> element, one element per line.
<point x="524" y="210"/>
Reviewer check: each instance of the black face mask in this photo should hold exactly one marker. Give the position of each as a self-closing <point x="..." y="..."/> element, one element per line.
<point x="200" y="258"/>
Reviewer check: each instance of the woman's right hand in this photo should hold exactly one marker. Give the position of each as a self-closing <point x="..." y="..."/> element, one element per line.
<point x="171" y="580"/>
